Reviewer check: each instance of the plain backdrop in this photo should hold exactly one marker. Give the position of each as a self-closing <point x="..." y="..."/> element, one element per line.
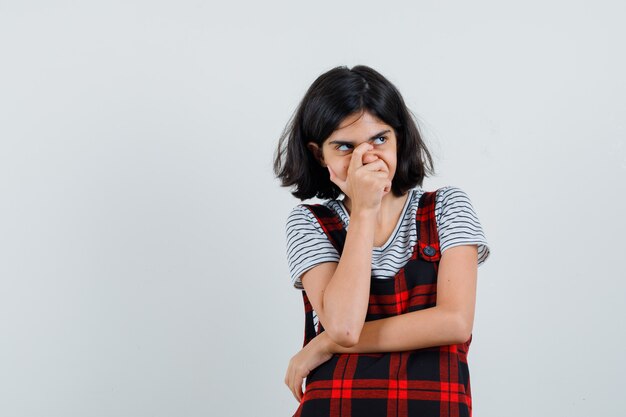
<point x="142" y="245"/>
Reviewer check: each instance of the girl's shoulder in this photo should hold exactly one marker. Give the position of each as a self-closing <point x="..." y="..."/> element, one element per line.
<point x="458" y="222"/>
<point x="451" y="198"/>
<point x="307" y="243"/>
<point x="446" y="197"/>
<point x="446" y="194"/>
<point x="302" y="214"/>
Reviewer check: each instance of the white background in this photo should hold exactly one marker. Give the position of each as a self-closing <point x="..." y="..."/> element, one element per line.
<point x="143" y="268"/>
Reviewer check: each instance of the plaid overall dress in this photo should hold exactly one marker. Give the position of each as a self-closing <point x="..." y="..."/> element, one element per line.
<point x="428" y="382"/>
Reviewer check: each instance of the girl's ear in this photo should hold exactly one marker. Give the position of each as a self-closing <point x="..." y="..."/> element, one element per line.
<point x="317" y="152"/>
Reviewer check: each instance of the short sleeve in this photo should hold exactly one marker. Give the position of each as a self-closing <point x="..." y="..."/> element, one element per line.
<point x="458" y="223"/>
<point x="307" y="244"/>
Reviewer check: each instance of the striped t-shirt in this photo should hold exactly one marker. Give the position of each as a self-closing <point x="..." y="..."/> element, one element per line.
<point x="457" y="224"/>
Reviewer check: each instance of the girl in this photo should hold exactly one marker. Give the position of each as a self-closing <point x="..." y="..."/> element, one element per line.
<point x="387" y="273"/>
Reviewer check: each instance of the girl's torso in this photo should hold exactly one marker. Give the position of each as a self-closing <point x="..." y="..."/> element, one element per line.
<point x="423" y="382"/>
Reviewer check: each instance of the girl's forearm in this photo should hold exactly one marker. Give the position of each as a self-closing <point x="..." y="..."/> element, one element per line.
<point x="415" y="330"/>
<point x="346" y="296"/>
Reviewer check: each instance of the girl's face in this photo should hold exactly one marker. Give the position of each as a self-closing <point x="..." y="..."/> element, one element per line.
<point x="355" y="129"/>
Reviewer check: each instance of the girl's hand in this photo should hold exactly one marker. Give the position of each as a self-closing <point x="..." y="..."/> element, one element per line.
<point x="367" y="179"/>
<point x="315" y="353"/>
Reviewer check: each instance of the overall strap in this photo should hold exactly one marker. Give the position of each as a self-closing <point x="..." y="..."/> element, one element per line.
<point x="331" y="224"/>
<point x="427" y="246"/>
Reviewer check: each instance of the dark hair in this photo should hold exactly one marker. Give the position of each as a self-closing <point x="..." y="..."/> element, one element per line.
<point x="332" y="97"/>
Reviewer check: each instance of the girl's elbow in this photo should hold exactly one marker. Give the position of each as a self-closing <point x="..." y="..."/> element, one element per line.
<point x="463" y="329"/>
<point x="343" y="336"/>
<point x="458" y="325"/>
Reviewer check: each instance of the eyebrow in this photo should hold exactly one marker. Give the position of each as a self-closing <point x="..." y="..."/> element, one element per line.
<point x="347" y="142"/>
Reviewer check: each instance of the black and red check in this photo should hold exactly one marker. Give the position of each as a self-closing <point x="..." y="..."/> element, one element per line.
<point x="429" y="382"/>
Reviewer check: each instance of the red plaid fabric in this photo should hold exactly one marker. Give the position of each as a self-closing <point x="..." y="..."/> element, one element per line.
<point x="430" y="382"/>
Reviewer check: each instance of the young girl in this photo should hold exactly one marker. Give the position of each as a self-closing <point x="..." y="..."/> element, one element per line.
<point x="387" y="273"/>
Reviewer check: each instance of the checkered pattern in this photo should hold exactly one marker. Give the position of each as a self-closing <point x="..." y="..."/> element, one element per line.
<point x="430" y="382"/>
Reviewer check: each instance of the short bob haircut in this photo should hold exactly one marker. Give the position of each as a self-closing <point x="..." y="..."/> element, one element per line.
<point x="332" y="97"/>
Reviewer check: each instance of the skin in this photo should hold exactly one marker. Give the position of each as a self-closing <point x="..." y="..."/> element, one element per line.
<point x="339" y="292"/>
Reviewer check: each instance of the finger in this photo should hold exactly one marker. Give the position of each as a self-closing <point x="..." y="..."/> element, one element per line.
<point x="296" y="391"/>
<point x="381" y="181"/>
<point x="292" y="378"/>
<point x="296" y="385"/>
<point x="288" y="377"/>
<point x="378" y="165"/>
<point x="288" y="373"/>
<point x="356" y="159"/>
<point x="299" y="390"/>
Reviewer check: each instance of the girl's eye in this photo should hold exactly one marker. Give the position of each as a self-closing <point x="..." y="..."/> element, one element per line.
<point x="383" y="138"/>
<point x="340" y="146"/>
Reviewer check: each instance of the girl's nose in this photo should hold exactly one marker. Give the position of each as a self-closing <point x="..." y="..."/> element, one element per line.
<point x="369" y="157"/>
